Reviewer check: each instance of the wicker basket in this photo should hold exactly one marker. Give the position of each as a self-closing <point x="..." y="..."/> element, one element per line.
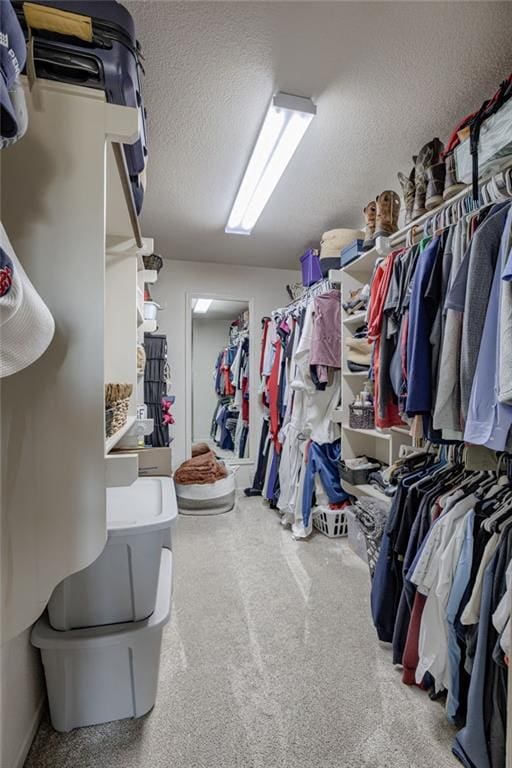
<point x="116" y="416"/>
<point x="153" y="261"/>
<point x="361" y="416"/>
<point x="109" y="418"/>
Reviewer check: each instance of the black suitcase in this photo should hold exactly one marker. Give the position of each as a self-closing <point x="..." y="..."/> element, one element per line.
<point x="110" y="60"/>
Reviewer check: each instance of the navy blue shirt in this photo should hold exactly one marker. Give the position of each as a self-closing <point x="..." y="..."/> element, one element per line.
<point x="422" y="312"/>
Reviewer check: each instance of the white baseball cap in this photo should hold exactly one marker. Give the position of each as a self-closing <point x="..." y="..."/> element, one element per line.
<point x="26" y="324"/>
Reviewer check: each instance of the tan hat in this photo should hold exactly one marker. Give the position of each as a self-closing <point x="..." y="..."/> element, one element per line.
<point x="359" y="351"/>
<point x="26" y="325"/>
<point x="334" y="240"/>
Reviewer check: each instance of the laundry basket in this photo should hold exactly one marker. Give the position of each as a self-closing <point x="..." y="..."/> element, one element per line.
<point x="208" y="498"/>
<point x="331" y="522"/>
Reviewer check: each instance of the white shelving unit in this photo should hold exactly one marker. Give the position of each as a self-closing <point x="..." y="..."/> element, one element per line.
<point x="112" y="441"/>
<point x="75" y="230"/>
<point x="383" y="445"/>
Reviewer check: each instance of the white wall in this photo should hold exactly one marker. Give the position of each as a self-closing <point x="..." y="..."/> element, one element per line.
<point x="22" y="686"/>
<point x="208" y="338"/>
<point x="267" y="289"/>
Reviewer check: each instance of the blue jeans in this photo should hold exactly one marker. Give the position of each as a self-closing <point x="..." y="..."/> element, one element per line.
<point x="322" y="459"/>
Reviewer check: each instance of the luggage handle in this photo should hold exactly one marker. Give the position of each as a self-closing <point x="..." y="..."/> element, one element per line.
<point x="58" y="21"/>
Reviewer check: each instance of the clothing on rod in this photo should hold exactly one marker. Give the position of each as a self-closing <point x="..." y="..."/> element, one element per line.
<point x="300" y="363"/>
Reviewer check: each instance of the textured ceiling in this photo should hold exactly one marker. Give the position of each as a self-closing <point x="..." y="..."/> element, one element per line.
<point x="386" y="77"/>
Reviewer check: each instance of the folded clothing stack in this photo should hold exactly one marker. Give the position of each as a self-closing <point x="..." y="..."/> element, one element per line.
<point x="362" y="462"/>
<point x="201" y="469"/>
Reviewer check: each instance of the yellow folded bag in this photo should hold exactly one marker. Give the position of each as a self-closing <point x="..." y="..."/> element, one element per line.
<point x="56" y="20"/>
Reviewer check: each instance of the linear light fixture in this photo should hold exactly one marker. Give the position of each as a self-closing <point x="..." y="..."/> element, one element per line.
<point x="285" y="123"/>
<point x="202" y="306"/>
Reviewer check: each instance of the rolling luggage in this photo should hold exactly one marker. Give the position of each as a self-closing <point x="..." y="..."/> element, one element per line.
<point x="91" y="43"/>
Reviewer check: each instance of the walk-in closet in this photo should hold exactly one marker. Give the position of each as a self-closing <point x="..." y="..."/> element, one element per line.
<point x="255" y="384"/>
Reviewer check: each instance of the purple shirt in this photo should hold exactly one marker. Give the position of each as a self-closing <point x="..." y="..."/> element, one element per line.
<point x="326" y="336"/>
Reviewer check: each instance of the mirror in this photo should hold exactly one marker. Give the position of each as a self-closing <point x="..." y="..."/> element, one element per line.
<point x="220" y="376"/>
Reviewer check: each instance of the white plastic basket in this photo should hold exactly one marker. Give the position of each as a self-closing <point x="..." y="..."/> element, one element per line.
<point x="331" y="522"/>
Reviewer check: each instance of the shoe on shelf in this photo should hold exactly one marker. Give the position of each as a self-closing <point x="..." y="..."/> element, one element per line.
<point x="435" y="170"/>
<point x="370" y="214"/>
<point x="451" y="185"/>
<point x="358" y="300"/>
<point x="388" y="208"/>
<point x="408" y="191"/>
<point x="426" y="179"/>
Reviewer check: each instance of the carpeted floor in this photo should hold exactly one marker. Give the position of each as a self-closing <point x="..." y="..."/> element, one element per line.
<point x="270" y="661"/>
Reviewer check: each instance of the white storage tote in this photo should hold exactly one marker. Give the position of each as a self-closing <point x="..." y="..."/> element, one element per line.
<point x="332" y="522"/>
<point x="121" y="584"/>
<point x="107" y="673"/>
<point x="208" y="498"/>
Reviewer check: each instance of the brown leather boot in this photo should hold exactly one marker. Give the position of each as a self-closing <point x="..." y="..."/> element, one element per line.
<point x="370" y="214"/>
<point x="451" y="185"/>
<point x="428" y="156"/>
<point x="435" y="169"/>
<point x="408" y="191"/>
<point x="388" y="208"/>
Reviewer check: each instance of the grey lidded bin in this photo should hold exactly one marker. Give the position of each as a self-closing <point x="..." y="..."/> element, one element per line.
<point x="107" y="673"/>
<point x="122" y="582"/>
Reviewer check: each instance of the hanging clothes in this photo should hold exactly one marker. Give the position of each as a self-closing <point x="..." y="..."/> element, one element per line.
<point x="230" y="422"/>
<point x="300" y="363"/>
<point x="438" y="593"/>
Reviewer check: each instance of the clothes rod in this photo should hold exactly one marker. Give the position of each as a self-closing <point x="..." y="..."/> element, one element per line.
<point x="322" y="286"/>
<point x="398" y="238"/>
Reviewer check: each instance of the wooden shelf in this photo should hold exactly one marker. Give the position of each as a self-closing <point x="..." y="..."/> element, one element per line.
<point x="364" y="263"/>
<point x="356" y="319"/>
<point x="365" y="490"/>
<point x="356" y="374"/>
<point x="110" y="442"/>
<point x="369" y="432"/>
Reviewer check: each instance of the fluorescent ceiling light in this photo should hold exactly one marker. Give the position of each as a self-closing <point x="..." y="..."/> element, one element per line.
<point x="285" y="123"/>
<point x="202" y="306"/>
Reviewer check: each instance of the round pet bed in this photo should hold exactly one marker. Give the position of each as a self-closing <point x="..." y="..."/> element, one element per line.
<point x="207" y="499"/>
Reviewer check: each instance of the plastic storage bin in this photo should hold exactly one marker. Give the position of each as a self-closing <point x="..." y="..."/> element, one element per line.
<point x="494" y="146"/>
<point x="311" y="270"/>
<point x="207" y="499"/>
<point x="108" y="673"/>
<point x="150" y="310"/>
<point x="121" y="584"/>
